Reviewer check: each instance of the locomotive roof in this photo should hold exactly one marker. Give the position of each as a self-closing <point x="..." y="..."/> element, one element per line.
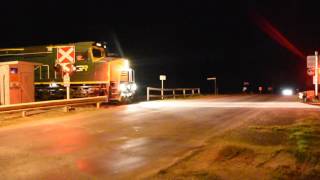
<point x="77" y="44"/>
<point x="44" y="48"/>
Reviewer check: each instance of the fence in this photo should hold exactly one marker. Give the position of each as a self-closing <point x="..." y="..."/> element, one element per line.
<point x="174" y="92"/>
<point x="65" y="104"/>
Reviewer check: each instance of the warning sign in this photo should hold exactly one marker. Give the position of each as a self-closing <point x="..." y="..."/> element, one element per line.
<point x="66" y="58"/>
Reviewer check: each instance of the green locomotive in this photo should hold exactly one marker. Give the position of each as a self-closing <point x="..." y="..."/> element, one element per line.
<point x="95" y="71"/>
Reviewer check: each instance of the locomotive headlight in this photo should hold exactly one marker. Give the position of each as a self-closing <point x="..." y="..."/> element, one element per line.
<point x="134" y="87"/>
<point x="123" y="87"/>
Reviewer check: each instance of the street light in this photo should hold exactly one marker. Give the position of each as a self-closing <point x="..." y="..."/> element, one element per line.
<point x="215" y="83"/>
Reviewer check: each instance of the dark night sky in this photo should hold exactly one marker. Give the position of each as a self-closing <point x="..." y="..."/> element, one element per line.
<point x="186" y="41"/>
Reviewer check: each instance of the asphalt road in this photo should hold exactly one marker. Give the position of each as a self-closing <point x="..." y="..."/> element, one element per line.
<point x="128" y="142"/>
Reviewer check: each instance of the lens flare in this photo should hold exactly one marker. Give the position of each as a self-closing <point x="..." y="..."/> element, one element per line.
<point x="273" y="33"/>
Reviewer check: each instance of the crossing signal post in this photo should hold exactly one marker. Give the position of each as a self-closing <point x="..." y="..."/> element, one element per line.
<point x="316" y="76"/>
<point x="66" y="59"/>
<point x="66" y="83"/>
<point x="313" y="69"/>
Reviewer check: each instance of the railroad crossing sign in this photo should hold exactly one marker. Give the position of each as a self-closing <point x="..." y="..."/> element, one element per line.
<point x="311" y="61"/>
<point x="314" y="80"/>
<point x="66" y="58"/>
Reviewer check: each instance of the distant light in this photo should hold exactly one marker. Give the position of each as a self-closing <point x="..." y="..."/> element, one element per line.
<point x="301" y="95"/>
<point x="98" y="44"/>
<point x="287" y="92"/>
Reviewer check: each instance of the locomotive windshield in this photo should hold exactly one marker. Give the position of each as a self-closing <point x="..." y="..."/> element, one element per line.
<point x="124" y="77"/>
<point x="97" y="53"/>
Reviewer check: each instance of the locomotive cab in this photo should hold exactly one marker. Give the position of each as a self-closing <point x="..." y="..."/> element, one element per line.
<point x="122" y="81"/>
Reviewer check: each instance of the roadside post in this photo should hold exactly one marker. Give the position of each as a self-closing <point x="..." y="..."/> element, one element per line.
<point x="215" y="83"/>
<point x="162" y="78"/>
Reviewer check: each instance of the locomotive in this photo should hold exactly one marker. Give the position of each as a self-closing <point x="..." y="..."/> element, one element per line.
<point x="96" y="72"/>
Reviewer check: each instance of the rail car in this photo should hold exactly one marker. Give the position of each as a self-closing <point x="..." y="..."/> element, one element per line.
<point x="96" y="71"/>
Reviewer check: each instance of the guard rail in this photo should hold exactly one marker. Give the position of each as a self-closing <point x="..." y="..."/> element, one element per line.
<point x="65" y="104"/>
<point x="175" y="92"/>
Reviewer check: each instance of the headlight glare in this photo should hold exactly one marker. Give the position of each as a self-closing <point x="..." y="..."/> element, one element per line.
<point x="134" y="87"/>
<point x="122" y="87"/>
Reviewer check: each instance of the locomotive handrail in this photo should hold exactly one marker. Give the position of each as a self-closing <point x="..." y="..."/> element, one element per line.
<point x="24" y="107"/>
<point x="174" y="95"/>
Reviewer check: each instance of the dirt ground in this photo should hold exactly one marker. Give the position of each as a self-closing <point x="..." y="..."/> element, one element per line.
<point x="264" y="149"/>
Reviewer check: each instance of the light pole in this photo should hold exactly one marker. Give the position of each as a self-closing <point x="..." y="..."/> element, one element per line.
<point x="215" y="83"/>
<point x="162" y="78"/>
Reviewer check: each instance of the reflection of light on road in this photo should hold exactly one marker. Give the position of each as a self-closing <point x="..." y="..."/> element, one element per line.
<point x="85" y="166"/>
<point x="127" y="157"/>
<point x="126" y="160"/>
<point x="156" y="105"/>
<point x="64" y="140"/>
<point x="134" y="143"/>
<point x="128" y="163"/>
<point x="132" y="108"/>
<point x="195" y="104"/>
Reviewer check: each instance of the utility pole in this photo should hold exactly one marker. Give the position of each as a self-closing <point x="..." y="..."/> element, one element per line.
<point x="316" y="75"/>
